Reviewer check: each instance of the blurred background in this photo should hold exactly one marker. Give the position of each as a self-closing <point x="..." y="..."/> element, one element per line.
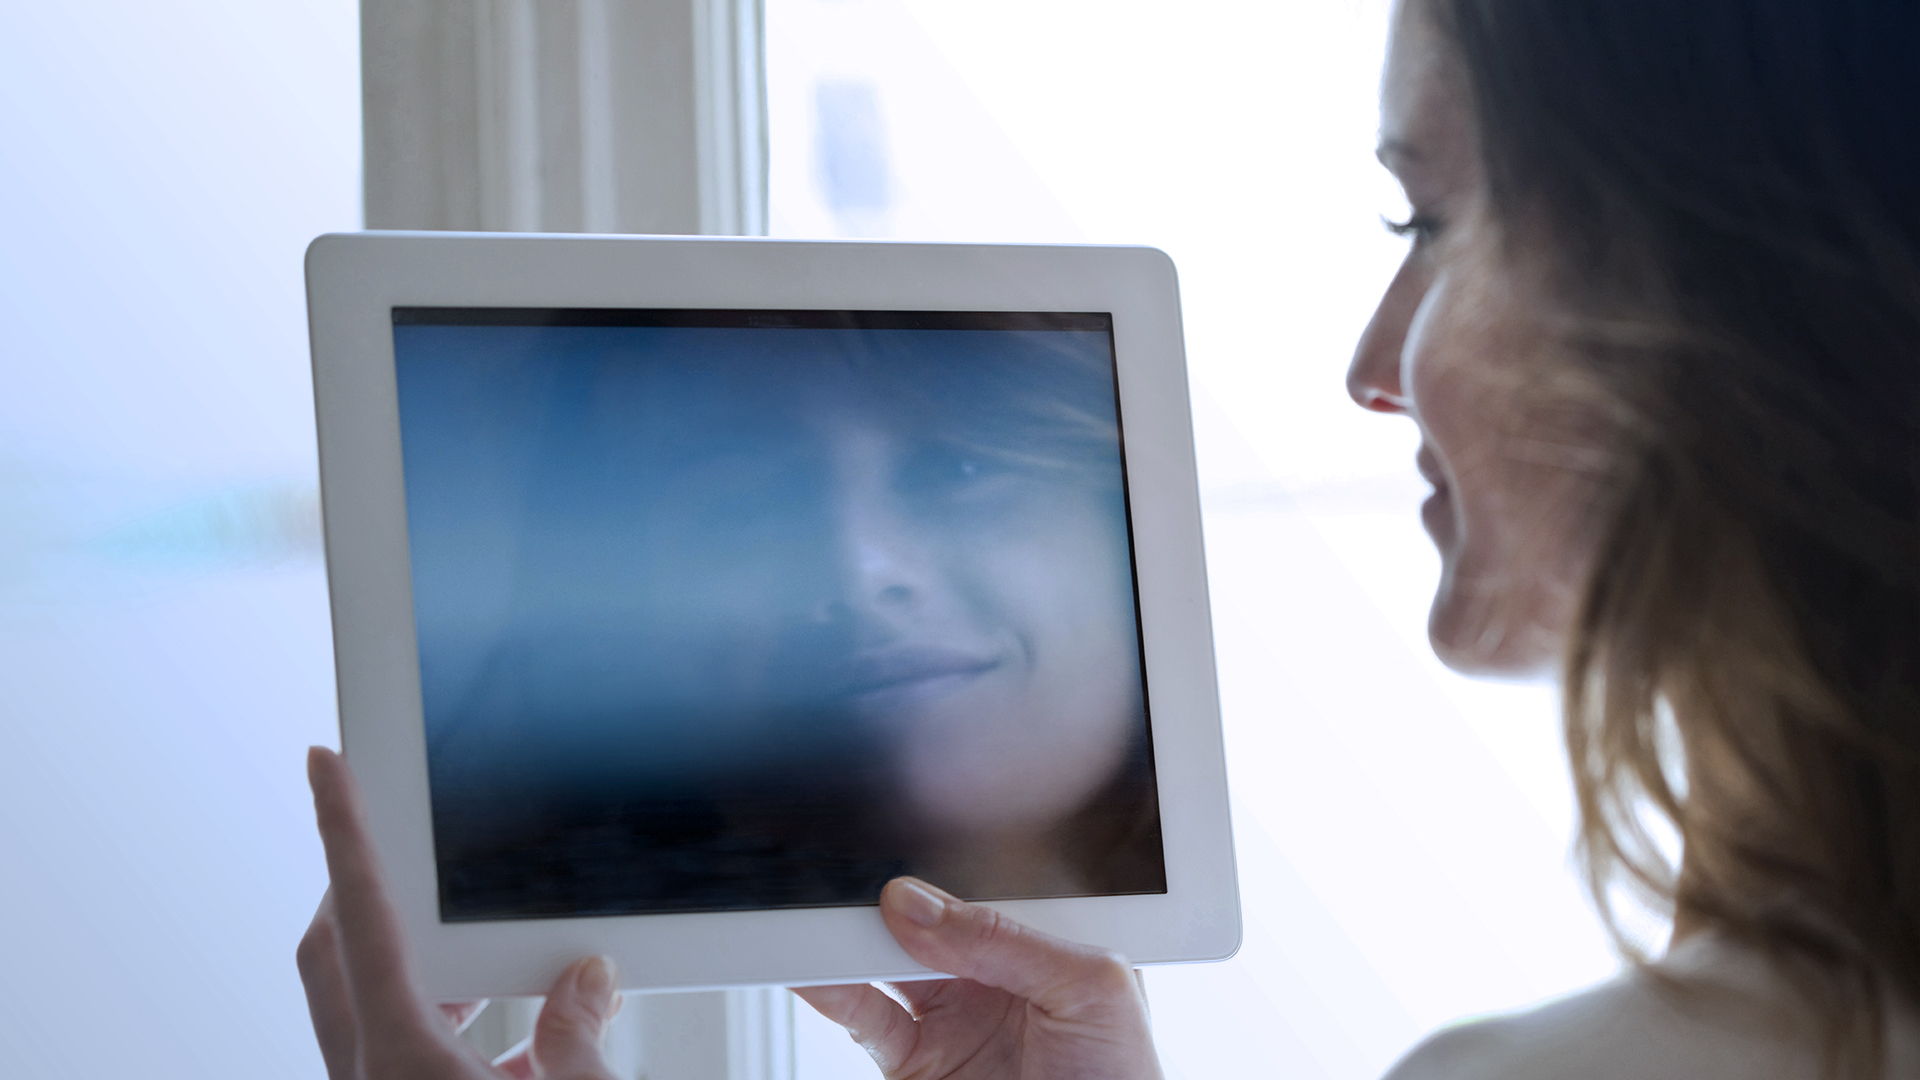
<point x="164" y="639"/>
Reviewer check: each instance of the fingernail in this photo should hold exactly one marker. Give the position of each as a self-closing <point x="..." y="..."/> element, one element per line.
<point x="596" y="984"/>
<point x="921" y="903"/>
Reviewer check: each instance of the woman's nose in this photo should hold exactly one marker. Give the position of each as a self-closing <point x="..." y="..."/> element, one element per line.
<point x="884" y="559"/>
<point x="1373" y="379"/>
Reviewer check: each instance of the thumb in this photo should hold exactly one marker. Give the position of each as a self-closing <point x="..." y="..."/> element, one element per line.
<point x="1065" y="980"/>
<point x="566" y="1037"/>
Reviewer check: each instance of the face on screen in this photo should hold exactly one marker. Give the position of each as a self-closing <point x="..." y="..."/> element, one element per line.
<point x="990" y="622"/>
<point x="733" y="617"/>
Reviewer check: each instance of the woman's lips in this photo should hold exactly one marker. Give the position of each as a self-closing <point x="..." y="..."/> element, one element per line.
<point x="1429" y="465"/>
<point x="912" y="669"/>
<point x="1436" y="511"/>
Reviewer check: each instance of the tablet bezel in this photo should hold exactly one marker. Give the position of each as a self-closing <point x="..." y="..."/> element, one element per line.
<point x="353" y="283"/>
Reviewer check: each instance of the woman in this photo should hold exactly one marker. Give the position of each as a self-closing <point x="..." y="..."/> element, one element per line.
<point x="1660" y="329"/>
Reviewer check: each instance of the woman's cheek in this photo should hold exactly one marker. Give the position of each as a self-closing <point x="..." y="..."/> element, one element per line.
<point x="1038" y="744"/>
<point x="1456" y="369"/>
<point x="1490" y="409"/>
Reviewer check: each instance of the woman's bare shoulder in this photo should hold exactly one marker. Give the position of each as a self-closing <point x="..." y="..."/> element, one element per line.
<point x="1636" y="1027"/>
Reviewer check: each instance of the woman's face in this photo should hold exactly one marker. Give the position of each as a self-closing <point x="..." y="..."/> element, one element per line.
<point x="992" y="625"/>
<point x="1463" y="342"/>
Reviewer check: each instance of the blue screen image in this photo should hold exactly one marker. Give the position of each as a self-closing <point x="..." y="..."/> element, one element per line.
<point x="738" y="610"/>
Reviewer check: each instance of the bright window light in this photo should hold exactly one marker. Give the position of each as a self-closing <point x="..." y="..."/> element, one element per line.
<point x="1402" y="831"/>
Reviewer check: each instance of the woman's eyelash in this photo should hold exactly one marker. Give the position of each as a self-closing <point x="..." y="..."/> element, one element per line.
<point x="1418" y="226"/>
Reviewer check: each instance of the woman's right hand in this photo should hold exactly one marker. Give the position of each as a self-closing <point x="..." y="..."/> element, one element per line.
<point x="372" y="1019"/>
<point x="1025" y="1004"/>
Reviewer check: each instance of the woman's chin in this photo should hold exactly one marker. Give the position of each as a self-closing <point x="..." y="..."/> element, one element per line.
<point x="990" y="797"/>
<point x="1497" y="616"/>
<point x="1485" y="650"/>
<point x="1000" y="867"/>
<point x="1471" y="635"/>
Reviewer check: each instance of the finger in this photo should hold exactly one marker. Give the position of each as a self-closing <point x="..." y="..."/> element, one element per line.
<point x="919" y="995"/>
<point x="328" y="1004"/>
<point x="883" y="1029"/>
<point x="1065" y="980"/>
<point x="394" y="1023"/>
<point x="964" y="1011"/>
<point x="567" y="1034"/>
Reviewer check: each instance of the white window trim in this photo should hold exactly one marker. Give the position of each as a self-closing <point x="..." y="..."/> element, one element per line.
<point x="583" y="116"/>
<point x="730" y="79"/>
<point x="565" y="115"/>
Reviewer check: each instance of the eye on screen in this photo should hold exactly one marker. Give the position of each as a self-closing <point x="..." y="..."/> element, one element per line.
<point x="726" y="610"/>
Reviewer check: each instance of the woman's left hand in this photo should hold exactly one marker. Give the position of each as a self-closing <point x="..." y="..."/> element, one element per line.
<point x="1026" y="1004"/>
<point x="371" y="1018"/>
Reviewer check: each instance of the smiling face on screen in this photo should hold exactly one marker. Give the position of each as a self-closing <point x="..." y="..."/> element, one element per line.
<point x="1466" y="342"/>
<point x="933" y="550"/>
<point x="992" y="626"/>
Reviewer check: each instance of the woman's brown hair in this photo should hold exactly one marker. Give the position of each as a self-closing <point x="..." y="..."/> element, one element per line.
<point x="1731" y="189"/>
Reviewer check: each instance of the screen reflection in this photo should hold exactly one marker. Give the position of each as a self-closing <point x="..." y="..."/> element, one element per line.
<point x="747" y="610"/>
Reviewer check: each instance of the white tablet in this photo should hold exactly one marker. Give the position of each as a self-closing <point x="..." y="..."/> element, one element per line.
<point x="687" y="590"/>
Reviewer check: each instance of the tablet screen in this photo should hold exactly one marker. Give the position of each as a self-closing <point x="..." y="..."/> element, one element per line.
<point x="726" y="610"/>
